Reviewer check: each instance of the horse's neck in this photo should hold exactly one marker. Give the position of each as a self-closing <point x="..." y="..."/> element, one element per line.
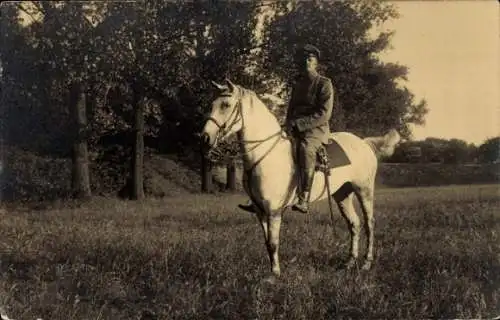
<point x="261" y="126"/>
<point x="259" y="122"/>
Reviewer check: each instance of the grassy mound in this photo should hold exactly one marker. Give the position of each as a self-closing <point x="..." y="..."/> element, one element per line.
<point x="27" y="176"/>
<point x="166" y="176"/>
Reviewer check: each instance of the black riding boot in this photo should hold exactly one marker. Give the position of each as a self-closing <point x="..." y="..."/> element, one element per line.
<point x="304" y="192"/>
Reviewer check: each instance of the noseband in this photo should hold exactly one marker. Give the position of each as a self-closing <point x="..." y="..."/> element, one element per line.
<point x="222" y="127"/>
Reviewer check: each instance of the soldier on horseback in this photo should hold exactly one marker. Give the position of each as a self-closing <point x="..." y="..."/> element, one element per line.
<point x="307" y="120"/>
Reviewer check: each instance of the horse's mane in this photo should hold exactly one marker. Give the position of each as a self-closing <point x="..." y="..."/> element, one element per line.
<point x="248" y="92"/>
<point x="253" y="98"/>
<point x="244" y="92"/>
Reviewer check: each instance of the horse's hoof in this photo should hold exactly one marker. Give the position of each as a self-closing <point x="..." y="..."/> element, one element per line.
<point x="366" y="266"/>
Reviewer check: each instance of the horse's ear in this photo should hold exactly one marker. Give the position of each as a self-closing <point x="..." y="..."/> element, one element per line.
<point x="221" y="87"/>
<point x="230" y="85"/>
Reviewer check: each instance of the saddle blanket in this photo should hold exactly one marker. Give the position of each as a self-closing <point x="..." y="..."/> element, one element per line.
<point x="334" y="156"/>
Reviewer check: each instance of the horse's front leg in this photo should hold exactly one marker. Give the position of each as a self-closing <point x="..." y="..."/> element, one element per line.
<point x="271" y="224"/>
<point x="273" y="242"/>
<point x="263" y="223"/>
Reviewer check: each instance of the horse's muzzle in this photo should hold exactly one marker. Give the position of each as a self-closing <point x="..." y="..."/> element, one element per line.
<point x="205" y="142"/>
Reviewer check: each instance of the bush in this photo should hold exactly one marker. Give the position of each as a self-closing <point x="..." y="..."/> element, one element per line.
<point x="415" y="175"/>
<point x="410" y="174"/>
<point x="28" y="176"/>
<point x="109" y="170"/>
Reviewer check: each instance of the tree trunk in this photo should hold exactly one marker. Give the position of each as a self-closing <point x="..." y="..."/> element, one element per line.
<point x="2" y="164"/>
<point x="80" y="170"/>
<point x="138" y="148"/>
<point x="231" y="175"/>
<point x="206" y="173"/>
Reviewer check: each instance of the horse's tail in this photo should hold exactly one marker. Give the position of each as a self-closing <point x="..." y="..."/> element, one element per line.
<point x="384" y="146"/>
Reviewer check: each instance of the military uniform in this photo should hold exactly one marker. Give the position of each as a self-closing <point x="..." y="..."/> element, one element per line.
<point x="307" y="120"/>
<point x="308" y="116"/>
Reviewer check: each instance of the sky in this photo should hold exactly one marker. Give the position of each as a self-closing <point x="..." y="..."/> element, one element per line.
<point x="452" y="50"/>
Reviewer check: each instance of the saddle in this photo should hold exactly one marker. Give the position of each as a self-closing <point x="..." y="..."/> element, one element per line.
<point x="331" y="155"/>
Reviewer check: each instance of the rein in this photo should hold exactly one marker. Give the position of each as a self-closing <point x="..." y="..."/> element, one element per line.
<point x="239" y="116"/>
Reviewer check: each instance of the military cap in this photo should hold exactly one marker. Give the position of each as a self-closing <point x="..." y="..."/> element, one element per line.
<point x="310" y="49"/>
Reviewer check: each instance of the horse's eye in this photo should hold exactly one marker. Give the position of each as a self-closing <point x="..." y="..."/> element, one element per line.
<point x="224" y="105"/>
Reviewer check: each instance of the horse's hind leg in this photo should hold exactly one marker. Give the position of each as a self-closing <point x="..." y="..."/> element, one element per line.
<point x="346" y="207"/>
<point x="366" y="198"/>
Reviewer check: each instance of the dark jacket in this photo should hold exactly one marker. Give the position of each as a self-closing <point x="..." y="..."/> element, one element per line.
<point x="311" y="106"/>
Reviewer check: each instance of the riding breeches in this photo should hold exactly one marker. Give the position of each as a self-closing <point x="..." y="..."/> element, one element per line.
<point x="307" y="148"/>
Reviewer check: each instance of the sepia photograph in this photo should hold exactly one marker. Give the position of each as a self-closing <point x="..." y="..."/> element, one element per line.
<point x="237" y="159"/>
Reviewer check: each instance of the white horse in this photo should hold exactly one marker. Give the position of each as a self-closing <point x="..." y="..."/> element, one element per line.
<point x="270" y="177"/>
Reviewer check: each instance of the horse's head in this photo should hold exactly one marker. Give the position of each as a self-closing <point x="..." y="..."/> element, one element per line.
<point x="225" y="117"/>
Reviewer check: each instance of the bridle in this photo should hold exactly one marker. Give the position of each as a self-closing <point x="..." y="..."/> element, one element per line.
<point x="222" y="132"/>
<point x="224" y="128"/>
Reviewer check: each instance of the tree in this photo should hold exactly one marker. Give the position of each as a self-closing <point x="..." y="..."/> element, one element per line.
<point x="177" y="49"/>
<point x="145" y="69"/>
<point x="458" y="151"/>
<point x="489" y="151"/>
<point x="206" y="172"/>
<point x="453" y="151"/>
<point x="137" y="162"/>
<point x="369" y="97"/>
<point x="54" y="45"/>
<point x="406" y="152"/>
<point x="80" y="172"/>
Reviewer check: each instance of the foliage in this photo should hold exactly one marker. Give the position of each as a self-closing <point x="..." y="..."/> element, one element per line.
<point x="370" y="100"/>
<point x="28" y="177"/>
<point x="424" y="174"/>
<point x="489" y="151"/>
<point x="171" y="50"/>
<point x="30" y="96"/>
<point x="166" y="53"/>
<point x="430" y="150"/>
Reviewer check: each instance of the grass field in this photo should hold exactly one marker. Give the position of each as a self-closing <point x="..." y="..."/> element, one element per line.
<point x="198" y="257"/>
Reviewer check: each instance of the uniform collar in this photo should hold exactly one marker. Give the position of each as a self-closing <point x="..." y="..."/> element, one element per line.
<point x="308" y="76"/>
